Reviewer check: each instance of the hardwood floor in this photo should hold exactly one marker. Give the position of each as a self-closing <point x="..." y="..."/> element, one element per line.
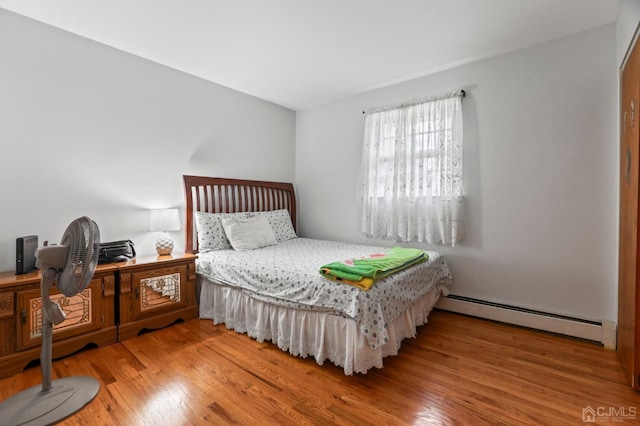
<point x="459" y="370"/>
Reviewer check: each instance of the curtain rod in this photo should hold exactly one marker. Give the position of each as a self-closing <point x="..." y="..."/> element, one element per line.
<point x="460" y="93"/>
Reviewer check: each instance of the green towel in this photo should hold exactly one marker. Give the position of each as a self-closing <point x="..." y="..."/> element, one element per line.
<point x="374" y="266"/>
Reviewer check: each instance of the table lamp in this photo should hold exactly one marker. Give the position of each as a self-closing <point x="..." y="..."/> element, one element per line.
<point x="164" y="220"/>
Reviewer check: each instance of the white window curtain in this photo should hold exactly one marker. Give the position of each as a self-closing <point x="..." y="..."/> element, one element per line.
<point x="410" y="185"/>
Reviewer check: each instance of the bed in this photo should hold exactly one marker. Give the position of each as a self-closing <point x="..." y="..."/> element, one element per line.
<point x="276" y="293"/>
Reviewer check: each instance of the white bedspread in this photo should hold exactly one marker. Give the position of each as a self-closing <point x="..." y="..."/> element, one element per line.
<point x="288" y="275"/>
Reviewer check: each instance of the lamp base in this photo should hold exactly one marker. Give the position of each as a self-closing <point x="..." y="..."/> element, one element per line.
<point x="164" y="245"/>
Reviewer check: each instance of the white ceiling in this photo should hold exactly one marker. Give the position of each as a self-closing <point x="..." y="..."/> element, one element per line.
<point x="303" y="53"/>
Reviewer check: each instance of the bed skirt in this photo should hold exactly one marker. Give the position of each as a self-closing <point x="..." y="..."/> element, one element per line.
<point x="303" y="333"/>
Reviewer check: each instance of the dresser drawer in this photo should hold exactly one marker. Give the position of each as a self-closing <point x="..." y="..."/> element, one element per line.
<point x="158" y="291"/>
<point x="155" y="291"/>
<point x="83" y="313"/>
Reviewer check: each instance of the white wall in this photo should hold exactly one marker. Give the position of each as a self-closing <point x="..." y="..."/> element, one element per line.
<point x="628" y="18"/>
<point x="540" y="171"/>
<point x="89" y="130"/>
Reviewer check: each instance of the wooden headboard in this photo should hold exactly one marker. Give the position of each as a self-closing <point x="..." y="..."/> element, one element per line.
<point x="221" y="195"/>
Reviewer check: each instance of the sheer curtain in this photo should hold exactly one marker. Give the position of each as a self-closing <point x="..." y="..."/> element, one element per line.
<point x="410" y="186"/>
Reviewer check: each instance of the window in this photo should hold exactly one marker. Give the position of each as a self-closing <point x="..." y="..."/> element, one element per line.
<point x="411" y="174"/>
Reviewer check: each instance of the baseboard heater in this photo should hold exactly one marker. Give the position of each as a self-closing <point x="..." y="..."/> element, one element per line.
<point x="603" y="332"/>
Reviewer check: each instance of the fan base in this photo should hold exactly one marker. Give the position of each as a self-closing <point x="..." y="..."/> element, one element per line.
<point x="33" y="407"/>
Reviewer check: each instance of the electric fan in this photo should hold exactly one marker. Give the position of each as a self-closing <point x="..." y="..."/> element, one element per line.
<point x="71" y="266"/>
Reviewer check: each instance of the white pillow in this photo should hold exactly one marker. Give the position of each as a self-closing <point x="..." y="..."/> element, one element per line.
<point x="248" y="233"/>
<point x="280" y="222"/>
<point x="211" y="235"/>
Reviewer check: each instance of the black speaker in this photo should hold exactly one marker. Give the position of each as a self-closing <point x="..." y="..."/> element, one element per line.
<point x="26" y="254"/>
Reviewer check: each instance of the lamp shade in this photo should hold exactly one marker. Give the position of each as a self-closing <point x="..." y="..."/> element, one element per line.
<point x="164" y="220"/>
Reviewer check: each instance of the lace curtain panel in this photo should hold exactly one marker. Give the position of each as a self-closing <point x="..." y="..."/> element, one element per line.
<point x="410" y="185"/>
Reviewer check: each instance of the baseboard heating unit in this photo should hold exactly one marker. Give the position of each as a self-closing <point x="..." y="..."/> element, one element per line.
<point x="603" y="332"/>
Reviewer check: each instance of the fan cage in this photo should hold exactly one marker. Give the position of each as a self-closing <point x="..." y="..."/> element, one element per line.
<point x="82" y="238"/>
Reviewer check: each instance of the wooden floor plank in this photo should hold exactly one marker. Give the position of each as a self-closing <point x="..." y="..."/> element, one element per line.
<point x="458" y="370"/>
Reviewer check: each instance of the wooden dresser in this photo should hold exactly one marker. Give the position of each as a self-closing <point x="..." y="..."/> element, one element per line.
<point x="90" y="319"/>
<point x="122" y="299"/>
